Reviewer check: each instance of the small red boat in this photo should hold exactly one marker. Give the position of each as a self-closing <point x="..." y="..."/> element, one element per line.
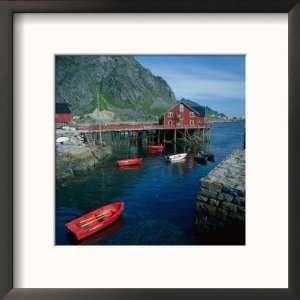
<point x="103" y="234"/>
<point x="156" y="147"/>
<point x="95" y="221"/>
<point x="126" y="168"/>
<point x="129" y="162"/>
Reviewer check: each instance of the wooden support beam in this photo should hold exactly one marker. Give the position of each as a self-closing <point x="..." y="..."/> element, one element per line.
<point x="175" y="150"/>
<point x="175" y="135"/>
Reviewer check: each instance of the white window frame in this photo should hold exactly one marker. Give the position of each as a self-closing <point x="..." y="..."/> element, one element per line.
<point x="181" y="108"/>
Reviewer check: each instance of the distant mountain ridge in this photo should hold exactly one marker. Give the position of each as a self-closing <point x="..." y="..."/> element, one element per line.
<point x="209" y="113"/>
<point x="214" y="115"/>
<point x="118" y="85"/>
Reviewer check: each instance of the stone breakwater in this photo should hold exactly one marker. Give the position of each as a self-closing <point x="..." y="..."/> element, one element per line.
<point x="221" y="196"/>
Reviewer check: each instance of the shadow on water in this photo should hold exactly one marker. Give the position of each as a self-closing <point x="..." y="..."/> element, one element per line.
<point x="159" y="197"/>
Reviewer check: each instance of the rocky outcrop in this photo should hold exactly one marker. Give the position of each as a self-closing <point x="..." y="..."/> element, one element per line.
<point x="78" y="159"/>
<point x="74" y="156"/>
<point x="221" y="196"/>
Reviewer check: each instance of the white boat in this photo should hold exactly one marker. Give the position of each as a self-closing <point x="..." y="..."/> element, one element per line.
<point x="177" y="157"/>
<point x="62" y="139"/>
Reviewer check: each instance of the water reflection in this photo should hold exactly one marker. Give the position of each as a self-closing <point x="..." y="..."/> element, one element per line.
<point x="126" y="168"/>
<point x="159" y="197"/>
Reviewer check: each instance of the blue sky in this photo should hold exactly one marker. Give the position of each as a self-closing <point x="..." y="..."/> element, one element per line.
<point x="217" y="81"/>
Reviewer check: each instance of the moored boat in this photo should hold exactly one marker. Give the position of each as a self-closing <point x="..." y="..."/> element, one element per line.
<point x="133" y="167"/>
<point x="156" y="148"/>
<point x="103" y="234"/>
<point x="129" y="162"/>
<point x="95" y="220"/>
<point x="209" y="156"/>
<point x="176" y="157"/>
<point x="62" y="139"/>
<point x="201" y="159"/>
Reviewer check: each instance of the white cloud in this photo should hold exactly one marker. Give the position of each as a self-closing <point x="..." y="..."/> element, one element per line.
<point x="195" y="88"/>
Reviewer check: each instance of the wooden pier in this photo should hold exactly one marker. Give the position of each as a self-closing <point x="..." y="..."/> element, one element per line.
<point x="157" y="133"/>
<point x="137" y="127"/>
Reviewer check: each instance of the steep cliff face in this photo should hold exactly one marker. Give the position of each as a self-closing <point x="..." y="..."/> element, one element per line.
<point x="114" y="83"/>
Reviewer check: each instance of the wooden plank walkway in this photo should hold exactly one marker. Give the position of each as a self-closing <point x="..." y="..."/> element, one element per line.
<point x="136" y="127"/>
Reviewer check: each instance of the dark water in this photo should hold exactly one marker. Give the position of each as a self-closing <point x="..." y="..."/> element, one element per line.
<point x="159" y="197"/>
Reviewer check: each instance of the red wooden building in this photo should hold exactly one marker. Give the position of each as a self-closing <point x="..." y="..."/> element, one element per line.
<point x="184" y="113"/>
<point x="62" y="113"/>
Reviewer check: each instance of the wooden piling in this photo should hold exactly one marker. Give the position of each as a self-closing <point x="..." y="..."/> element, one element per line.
<point x="175" y="135"/>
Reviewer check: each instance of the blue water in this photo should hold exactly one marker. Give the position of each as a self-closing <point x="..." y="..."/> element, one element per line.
<point x="159" y="197"/>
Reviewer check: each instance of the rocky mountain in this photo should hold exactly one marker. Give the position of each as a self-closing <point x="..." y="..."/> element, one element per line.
<point x="117" y="84"/>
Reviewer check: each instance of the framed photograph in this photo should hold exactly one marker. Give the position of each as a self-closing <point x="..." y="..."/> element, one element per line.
<point x="149" y="150"/>
<point x="150" y="146"/>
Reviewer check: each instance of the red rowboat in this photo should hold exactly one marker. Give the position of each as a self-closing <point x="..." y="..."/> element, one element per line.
<point x="129" y="162"/>
<point x="126" y="168"/>
<point x="95" y="221"/>
<point x="103" y="234"/>
<point x="156" y="147"/>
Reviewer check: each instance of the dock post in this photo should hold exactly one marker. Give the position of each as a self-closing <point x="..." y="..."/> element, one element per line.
<point x="158" y="137"/>
<point x="175" y="148"/>
<point x="175" y="135"/>
<point x="140" y="137"/>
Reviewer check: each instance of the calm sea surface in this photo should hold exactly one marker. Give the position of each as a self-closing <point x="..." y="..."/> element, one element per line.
<point x="159" y="197"/>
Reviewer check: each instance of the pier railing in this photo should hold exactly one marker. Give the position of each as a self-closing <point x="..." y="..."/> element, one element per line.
<point x="137" y="127"/>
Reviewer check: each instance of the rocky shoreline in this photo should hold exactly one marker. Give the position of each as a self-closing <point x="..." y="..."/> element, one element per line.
<point x="70" y="165"/>
<point x="74" y="156"/>
<point x="221" y="197"/>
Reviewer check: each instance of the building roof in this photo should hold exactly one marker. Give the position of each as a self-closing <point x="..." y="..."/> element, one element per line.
<point x="62" y="107"/>
<point x="193" y="106"/>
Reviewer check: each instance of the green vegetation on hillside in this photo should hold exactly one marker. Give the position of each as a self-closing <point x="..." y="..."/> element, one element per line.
<point x="115" y="83"/>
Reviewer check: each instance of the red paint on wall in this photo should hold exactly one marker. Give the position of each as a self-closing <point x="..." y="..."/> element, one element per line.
<point x="63" y="118"/>
<point x="181" y="115"/>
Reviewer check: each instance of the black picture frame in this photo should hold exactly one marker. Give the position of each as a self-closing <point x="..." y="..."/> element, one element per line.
<point x="7" y="11"/>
